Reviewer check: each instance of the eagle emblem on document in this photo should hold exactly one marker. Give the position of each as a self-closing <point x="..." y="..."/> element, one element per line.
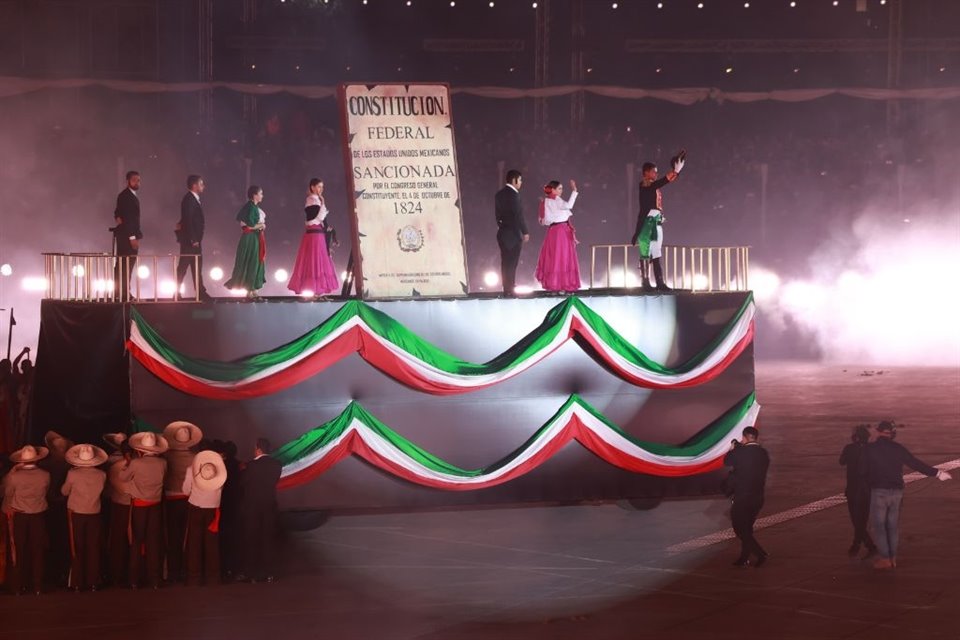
<point x="410" y="238"/>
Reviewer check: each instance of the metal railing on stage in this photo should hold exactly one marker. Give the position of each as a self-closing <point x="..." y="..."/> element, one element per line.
<point x="96" y="277"/>
<point x="698" y="269"/>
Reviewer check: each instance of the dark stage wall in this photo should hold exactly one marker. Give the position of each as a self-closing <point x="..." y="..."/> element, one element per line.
<point x="469" y="430"/>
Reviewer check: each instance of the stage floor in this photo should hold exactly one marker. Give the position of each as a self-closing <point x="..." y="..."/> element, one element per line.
<point x="601" y="571"/>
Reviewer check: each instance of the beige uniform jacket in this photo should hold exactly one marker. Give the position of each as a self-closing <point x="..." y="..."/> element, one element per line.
<point x="25" y="490"/>
<point x="177" y="464"/>
<point x="143" y="478"/>
<point x="83" y="488"/>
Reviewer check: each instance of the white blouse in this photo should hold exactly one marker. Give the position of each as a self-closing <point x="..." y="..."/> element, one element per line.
<point x="557" y="209"/>
<point x="314" y="200"/>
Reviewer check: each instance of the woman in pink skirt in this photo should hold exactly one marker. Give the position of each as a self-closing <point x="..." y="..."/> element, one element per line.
<point x="314" y="271"/>
<point x="558" y="268"/>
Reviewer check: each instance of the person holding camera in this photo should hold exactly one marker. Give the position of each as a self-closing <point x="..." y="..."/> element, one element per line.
<point x="749" y="462"/>
<point x="885" y="462"/>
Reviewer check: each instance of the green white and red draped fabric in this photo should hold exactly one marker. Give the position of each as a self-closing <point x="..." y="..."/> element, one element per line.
<point x="398" y="352"/>
<point x="357" y="432"/>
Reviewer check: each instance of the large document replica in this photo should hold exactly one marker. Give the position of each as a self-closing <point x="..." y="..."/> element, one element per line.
<point x="404" y="190"/>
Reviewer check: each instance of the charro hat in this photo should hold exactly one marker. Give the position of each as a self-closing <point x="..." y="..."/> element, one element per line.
<point x="887" y="425"/>
<point x="29" y="454"/>
<point x="115" y="440"/>
<point x="148" y="442"/>
<point x="86" y="455"/>
<point x="56" y="442"/>
<point x="209" y="471"/>
<point x="182" y="435"/>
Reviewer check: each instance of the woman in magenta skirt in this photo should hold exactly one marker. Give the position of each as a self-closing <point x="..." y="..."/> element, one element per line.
<point x="558" y="268"/>
<point x="314" y="271"/>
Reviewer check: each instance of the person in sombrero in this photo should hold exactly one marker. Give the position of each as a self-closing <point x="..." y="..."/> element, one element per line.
<point x="58" y="550"/>
<point x="204" y="484"/>
<point x="143" y="479"/>
<point x="118" y="507"/>
<point x="25" y="505"/>
<point x="182" y="437"/>
<point x="82" y="488"/>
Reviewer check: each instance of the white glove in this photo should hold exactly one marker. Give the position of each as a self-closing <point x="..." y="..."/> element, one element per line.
<point x="678" y="165"/>
<point x="943" y="476"/>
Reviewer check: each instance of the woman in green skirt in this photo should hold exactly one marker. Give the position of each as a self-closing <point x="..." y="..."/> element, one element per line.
<point x="249" y="269"/>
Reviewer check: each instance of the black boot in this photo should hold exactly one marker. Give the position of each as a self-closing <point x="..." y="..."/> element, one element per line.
<point x="645" y="275"/>
<point x="658" y="275"/>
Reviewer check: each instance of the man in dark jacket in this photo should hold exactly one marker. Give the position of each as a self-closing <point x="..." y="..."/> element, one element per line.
<point x="511" y="229"/>
<point x="857" y="491"/>
<point x="259" y="486"/>
<point x="127" y="234"/>
<point x="189" y="231"/>
<point x="750" y="462"/>
<point x="885" y="461"/>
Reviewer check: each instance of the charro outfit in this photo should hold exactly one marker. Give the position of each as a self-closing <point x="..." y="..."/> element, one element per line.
<point x="511" y="228"/>
<point x="648" y="235"/>
<point x="83" y="488"/>
<point x="249" y="267"/>
<point x="143" y="478"/>
<point x="25" y="498"/>
<point x="558" y="268"/>
<point x="175" y="508"/>
<point x="118" y="541"/>
<point x="750" y="463"/>
<point x="314" y="270"/>
<point x="203" y="517"/>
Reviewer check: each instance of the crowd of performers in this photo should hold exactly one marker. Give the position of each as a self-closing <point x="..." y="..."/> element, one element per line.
<point x="313" y="274"/>
<point x="558" y="267"/>
<point x="161" y="508"/>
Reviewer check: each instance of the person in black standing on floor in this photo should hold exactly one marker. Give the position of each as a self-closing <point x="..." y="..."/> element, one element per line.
<point x="127" y="235"/>
<point x="259" y="485"/>
<point x="511" y="229"/>
<point x="189" y="231"/>
<point x="854" y="458"/>
<point x="750" y="462"/>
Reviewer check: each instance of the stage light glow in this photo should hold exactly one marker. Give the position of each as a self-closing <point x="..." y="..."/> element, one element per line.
<point x="522" y="289"/>
<point x="306" y="293"/>
<point x="6" y="269"/>
<point x="700" y="282"/>
<point x="101" y="285"/>
<point x="34" y="283"/>
<point x="168" y="288"/>
<point x="764" y="283"/>
<point x="237" y="293"/>
<point x="491" y="278"/>
<point x="216" y="274"/>
<point x="281" y="275"/>
<point x="78" y="271"/>
<point x="793" y="4"/>
<point x="143" y="272"/>
<point x="615" y="5"/>
<point x="728" y="70"/>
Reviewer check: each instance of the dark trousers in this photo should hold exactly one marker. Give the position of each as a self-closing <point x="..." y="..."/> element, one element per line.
<point x="118" y="543"/>
<point x="858" y="504"/>
<point x="203" y="547"/>
<point x="509" y="259"/>
<point x="123" y="269"/>
<point x="186" y="261"/>
<point x="29" y="538"/>
<point x="145" y="543"/>
<point x="743" y="514"/>
<point x="85" y="565"/>
<point x="175" y="523"/>
<point x="57" y="560"/>
<point x="259" y="532"/>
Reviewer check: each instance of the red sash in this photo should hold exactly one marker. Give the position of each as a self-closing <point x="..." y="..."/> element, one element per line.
<point x="262" y="239"/>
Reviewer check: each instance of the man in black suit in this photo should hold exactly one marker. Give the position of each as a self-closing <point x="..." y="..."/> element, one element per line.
<point x="750" y="462"/>
<point x="259" y="486"/>
<point x="512" y="230"/>
<point x="127" y="234"/>
<point x="189" y="233"/>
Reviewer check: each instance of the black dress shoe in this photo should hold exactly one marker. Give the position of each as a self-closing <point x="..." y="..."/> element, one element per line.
<point x="741" y="562"/>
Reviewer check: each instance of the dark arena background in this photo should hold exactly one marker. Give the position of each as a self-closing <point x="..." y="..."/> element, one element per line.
<point x="812" y="248"/>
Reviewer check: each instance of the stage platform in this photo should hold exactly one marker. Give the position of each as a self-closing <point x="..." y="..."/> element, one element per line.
<point x="88" y="383"/>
